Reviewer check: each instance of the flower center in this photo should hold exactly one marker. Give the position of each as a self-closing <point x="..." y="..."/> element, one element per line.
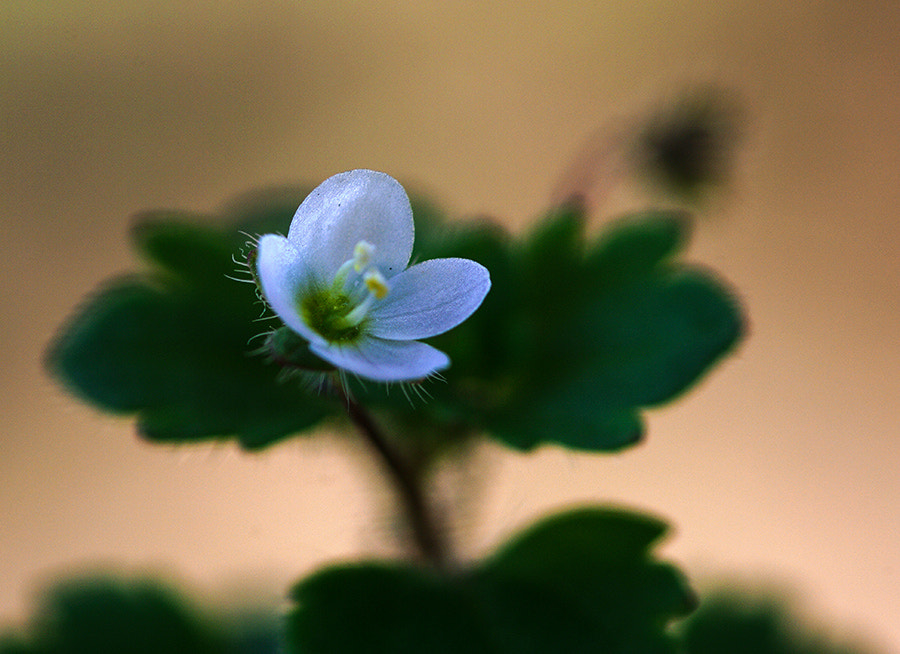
<point x="338" y="313"/>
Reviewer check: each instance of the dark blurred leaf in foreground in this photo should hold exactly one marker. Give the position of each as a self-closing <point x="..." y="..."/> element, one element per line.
<point x="739" y="622"/>
<point x="582" y="581"/>
<point x="100" y="615"/>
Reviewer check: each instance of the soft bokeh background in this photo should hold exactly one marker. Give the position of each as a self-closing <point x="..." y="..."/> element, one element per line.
<point x="784" y="463"/>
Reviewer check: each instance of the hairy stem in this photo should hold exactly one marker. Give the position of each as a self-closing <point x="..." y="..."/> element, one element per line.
<point x="423" y="522"/>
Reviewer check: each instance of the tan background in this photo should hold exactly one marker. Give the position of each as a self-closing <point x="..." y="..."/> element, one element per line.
<point x="785" y="462"/>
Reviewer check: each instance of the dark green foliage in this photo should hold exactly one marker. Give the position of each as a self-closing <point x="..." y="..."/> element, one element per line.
<point x="380" y="607"/>
<point x="106" y="616"/>
<point x="576" y="336"/>
<point x="598" y="563"/>
<point x="580" y="582"/>
<point x="174" y="344"/>
<point x="583" y="581"/>
<point x="733" y="622"/>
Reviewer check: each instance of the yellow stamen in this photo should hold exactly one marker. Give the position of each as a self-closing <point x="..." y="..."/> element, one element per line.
<point x="362" y="255"/>
<point x="376" y="284"/>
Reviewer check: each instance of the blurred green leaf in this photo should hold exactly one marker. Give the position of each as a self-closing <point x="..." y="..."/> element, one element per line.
<point x="736" y="621"/>
<point x="615" y="536"/>
<point x="605" y="329"/>
<point x="583" y="581"/>
<point x="389" y="608"/>
<point x="635" y="244"/>
<point x="99" y="615"/>
<point x="598" y="561"/>
<point x="106" y="613"/>
<point x="173" y="344"/>
<point x="10" y="644"/>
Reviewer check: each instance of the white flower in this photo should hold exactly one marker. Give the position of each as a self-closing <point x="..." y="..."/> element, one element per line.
<point x="340" y="280"/>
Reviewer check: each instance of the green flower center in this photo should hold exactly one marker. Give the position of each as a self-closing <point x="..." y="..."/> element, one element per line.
<point x="326" y="312"/>
<point x="339" y="313"/>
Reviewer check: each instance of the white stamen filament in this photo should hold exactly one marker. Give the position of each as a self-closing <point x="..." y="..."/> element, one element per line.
<point x="356" y="316"/>
<point x="374" y="282"/>
<point x="340" y="277"/>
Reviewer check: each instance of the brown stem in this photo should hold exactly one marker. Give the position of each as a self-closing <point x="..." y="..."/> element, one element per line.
<point x="423" y="522"/>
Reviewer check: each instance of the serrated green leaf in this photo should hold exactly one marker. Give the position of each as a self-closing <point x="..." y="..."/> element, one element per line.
<point x="174" y="345"/>
<point x="599" y="560"/>
<point x="575" y="339"/>
<point x="651" y="339"/>
<point x="605" y="331"/>
<point x="566" y="415"/>
<point x="583" y="581"/>
<point x="608" y="534"/>
<point x="550" y="263"/>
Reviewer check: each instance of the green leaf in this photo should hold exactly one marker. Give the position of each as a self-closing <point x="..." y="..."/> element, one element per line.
<point x="655" y="337"/>
<point x="635" y="244"/>
<point x="740" y="621"/>
<point x="599" y="561"/>
<point x="100" y="615"/>
<point x="605" y="330"/>
<point x="174" y="345"/>
<point x="382" y="608"/>
<point x="612" y="535"/>
<point x="583" y="581"/>
<point x="182" y="246"/>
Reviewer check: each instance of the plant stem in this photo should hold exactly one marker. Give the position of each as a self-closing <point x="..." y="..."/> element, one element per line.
<point x="426" y="532"/>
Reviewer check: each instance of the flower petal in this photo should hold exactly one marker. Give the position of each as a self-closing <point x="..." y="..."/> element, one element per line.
<point x="381" y="360"/>
<point x="282" y="277"/>
<point x="430" y="298"/>
<point x="359" y="205"/>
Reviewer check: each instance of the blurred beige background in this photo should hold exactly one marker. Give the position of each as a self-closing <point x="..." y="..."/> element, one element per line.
<point x="783" y="463"/>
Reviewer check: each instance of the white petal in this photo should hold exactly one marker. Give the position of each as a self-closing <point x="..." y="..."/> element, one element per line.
<point x="430" y="298"/>
<point x="283" y="278"/>
<point x="381" y="360"/>
<point x="359" y="205"/>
